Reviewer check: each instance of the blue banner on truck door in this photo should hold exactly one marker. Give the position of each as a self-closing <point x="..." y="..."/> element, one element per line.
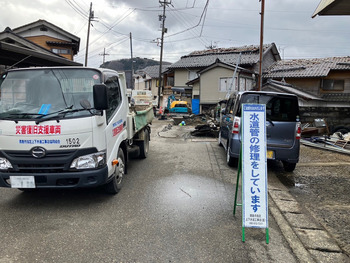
<point x="117" y="127"/>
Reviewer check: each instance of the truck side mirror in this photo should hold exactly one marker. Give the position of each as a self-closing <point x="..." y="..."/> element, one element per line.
<point x="100" y="97"/>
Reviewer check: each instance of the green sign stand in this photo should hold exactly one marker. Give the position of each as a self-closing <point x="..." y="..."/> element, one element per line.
<point x="239" y="171"/>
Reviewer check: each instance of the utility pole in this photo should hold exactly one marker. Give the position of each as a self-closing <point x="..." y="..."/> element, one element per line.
<point x="132" y="63"/>
<point x="104" y="54"/>
<point x="162" y="19"/>
<point x="91" y="17"/>
<point x="261" y="43"/>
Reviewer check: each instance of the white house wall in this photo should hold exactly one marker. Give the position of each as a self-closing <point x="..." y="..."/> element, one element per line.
<point x="181" y="77"/>
<point x="209" y="85"/>
<point x="195" y="89"/>
<point x="37" y="32"/>
<point x="154" y="87"/>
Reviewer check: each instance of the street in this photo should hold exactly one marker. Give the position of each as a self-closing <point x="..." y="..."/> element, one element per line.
<point x="175" y="206"/>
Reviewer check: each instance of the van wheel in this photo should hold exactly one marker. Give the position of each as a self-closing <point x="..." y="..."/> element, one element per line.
<point x="219" y="139"/>
<point x="231" y="161"/>
<point x="144" y="145"/>
<point x="114" y="186"/>
<point x="288" y="167"/>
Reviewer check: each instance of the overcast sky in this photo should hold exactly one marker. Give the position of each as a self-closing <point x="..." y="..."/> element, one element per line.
<point x="191" y="26"/>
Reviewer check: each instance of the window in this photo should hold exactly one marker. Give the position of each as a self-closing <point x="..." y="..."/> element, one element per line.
<point x="27" y="91"/>
<point x="231" y="103"/>
<point x="245" y="84"/>
<point x="61" y="51"/>
<point x="278" y="108"/>
<point x="170" y="81"/>
<point x="114" y="95"/>
<point x="226" y="85"/>
<point x="332" y="84"/>
<point x="149" y="85"/>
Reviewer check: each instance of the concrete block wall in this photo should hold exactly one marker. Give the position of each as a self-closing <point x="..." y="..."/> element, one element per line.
<point x="334" y="116"/>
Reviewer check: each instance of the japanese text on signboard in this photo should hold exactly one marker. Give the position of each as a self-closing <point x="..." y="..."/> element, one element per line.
<point x="254" y="166"/>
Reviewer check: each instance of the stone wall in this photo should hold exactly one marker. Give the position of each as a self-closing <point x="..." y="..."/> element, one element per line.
<point x="334" y="116"/>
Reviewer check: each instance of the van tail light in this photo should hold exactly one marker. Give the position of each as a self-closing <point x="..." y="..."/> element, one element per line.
<point x="236" y="123"/>
<point x="298" y="131"/>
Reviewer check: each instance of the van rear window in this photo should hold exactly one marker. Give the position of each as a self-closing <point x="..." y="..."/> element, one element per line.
<point x="278" y="107"/>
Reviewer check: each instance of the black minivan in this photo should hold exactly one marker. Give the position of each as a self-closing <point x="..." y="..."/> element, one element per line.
<point x="283" y="128"/>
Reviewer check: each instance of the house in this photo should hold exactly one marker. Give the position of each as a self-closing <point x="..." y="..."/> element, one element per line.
<point x="322" y="85"/>
<point x="148" y="79"/>
<point x="50" y="37"/>
<point x="18" y="51"/>
<point x="332" y="7"/>
<point x="208" y="74"/>
<point x="327" y="78"/>
<point x="336" y="8"/>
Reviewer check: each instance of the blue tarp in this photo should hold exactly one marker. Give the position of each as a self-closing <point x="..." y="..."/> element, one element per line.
<point x="195" y="106"/>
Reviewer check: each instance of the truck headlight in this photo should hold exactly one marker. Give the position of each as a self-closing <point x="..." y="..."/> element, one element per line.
<point x="5" y="164"/>
<point x="89" y="161"/>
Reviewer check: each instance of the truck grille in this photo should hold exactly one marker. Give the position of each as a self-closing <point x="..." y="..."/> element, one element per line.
<point x="54" y="161"/>
<point x="40" y="168"/>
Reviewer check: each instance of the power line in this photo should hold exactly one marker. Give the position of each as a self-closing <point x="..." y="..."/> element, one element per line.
<point x="95" y="51"/>
<point x="78" y="6"/>
<point x="77" y="9"/>
<point x="191" y="29"/>
<point x="110" y="27"/>
<point x="200" y="20"/>
<point x="81" y="28"/>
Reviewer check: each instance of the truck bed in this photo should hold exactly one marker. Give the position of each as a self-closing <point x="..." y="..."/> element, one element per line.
<point x="138" y="120"/>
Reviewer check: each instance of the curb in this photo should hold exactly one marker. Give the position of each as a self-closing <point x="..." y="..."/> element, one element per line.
<point x="309" y="240"/>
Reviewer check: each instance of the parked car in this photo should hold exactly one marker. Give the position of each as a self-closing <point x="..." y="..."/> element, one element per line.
<point x="283" y="128"/>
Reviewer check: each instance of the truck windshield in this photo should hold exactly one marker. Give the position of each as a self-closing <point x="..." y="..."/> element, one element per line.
<point x="35" y="93"/>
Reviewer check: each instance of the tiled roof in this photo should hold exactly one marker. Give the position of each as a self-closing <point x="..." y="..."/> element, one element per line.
<point x="298" y="68"/>
<point x="288" y="88"/>
<point x="153" y="71"/>
<point x="204" y="58"/>
<point x="337" y="97"/>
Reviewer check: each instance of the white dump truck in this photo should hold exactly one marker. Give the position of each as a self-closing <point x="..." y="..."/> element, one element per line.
<point x="68" y="127"/>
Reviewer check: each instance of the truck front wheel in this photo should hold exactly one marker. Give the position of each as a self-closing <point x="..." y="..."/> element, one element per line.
<point x="114" y="186"/>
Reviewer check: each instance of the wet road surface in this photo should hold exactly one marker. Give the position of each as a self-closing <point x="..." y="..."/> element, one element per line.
<point x="175" y="206"/>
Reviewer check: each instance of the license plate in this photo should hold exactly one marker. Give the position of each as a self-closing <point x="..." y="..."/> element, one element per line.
<point x="269" y="155"/>
<point x="22" y="181"/>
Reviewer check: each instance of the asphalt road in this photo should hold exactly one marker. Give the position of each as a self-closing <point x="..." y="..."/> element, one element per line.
<point x="175" y="206"/>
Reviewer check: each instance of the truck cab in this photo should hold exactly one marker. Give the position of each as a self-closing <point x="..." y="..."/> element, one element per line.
<point x="64" y="127"/>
